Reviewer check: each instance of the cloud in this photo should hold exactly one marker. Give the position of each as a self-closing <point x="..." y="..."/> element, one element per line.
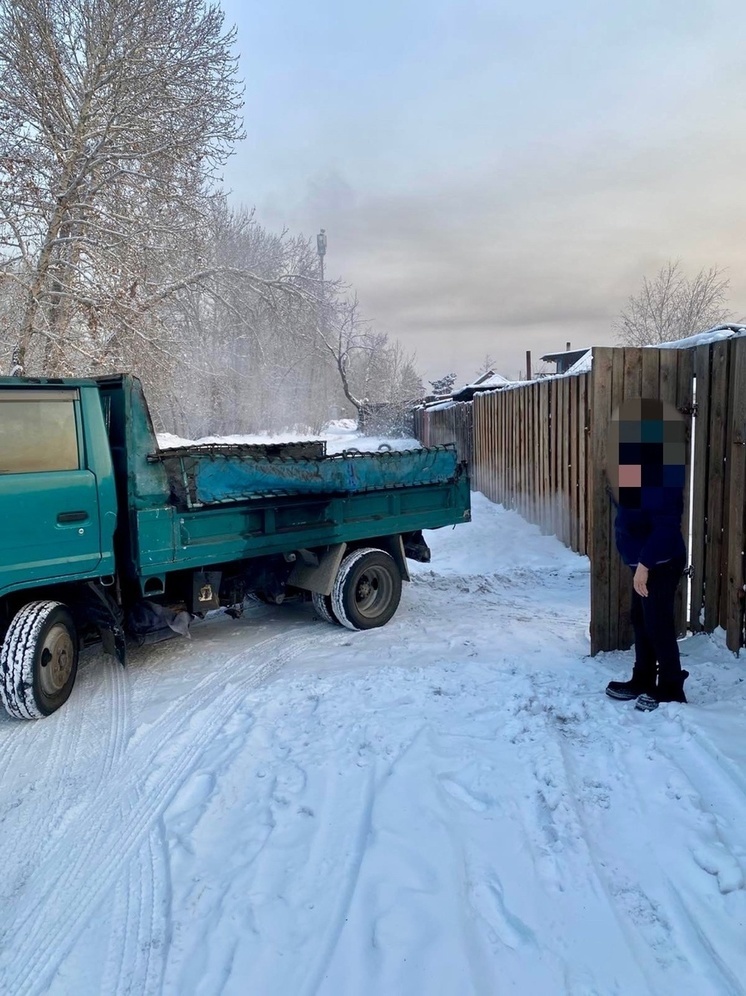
<point x="500" y="180"/>
<point x="531" y="256"/>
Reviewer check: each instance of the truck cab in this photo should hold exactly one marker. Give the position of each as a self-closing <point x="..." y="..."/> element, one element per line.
<point x="57" y="496"/>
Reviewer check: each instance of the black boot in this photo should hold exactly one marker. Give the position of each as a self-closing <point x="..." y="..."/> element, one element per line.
<point x="669" y="692"/>
<point x="640" y="683"/>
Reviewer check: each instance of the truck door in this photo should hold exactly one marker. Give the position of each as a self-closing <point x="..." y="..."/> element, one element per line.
<point x="49" y="512"/>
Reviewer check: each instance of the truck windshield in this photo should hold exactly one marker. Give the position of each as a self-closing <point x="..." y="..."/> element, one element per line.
<point x="37" y="431"/>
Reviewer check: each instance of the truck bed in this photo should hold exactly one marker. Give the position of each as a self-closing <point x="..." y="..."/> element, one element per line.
<point x="197" y="505"/>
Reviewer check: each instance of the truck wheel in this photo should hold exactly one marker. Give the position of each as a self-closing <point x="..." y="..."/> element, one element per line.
<point x="323" y="606"/>
<point x="259" y="597"/>
<point x="367" y="589"/>
<point x="38" y="660"/>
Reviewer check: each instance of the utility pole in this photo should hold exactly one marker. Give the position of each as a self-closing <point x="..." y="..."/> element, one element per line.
<point x="321" y="250"/>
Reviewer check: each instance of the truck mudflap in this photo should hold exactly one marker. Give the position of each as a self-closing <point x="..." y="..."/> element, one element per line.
<point x="108" y="617"/>
<point x="415" y="547"/>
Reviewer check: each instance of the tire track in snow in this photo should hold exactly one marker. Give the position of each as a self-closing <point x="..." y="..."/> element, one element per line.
<point x="176" y="715"/>
<point x="89" y="867"/>
<point x="691" y="924"/>
<point x="329" y="941"/>
<point x="637" y="941"/>
<point x="724" y="771"/>
<point x="720" y="820"/>
<point x="142" y="958"/>
<point x="659" y="922"/>
<point x="64" y="732"/>
<point x="137" y="944"/>
<point x="148" y="965"/>
<point x="116" y="689"/>
<point x="133" y="825"/>
<point x="64" y="755"/>
<point x="729" y="983"/>
<point x="378" y="775"/>
<point x="564" y="830"/>
<point x="710" y="794"/>
<point x="180" y="710"/>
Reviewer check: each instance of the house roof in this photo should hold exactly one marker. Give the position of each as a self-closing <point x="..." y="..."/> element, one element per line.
<point x="582" y="364"/>
<point x="489" y="381"/>
<point x="570" y="355"/>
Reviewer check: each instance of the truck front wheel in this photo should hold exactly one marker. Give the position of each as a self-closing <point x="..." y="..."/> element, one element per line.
<point x="367" y="589"/>
<point x="38" y="660"/>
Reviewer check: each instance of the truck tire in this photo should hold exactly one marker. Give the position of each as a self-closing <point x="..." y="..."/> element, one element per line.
<point x="259" y="597"/>
<point x="38" y="660"/>
<point x="323" y="606"/>
<point x="367" y="589"/>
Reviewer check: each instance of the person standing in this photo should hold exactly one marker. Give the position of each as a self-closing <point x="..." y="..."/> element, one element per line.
<point x="646" y="467"/>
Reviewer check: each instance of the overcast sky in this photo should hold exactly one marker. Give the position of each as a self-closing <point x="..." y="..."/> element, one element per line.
<point x="498" y="177"/>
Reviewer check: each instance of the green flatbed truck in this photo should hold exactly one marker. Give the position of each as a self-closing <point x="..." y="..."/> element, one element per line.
<point x="105" y="536"/>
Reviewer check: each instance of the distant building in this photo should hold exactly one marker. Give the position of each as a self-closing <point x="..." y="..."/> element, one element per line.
<point x="565" y="359"/>
<point x="489" y="381"/>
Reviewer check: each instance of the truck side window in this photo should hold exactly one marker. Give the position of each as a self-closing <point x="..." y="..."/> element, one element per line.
<point x="37" y="431"/>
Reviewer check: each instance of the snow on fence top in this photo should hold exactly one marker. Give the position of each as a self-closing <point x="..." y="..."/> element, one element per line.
<point x="703" y="338"/>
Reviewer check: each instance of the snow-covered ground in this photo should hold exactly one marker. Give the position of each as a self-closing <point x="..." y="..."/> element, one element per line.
<point x="448" y="805"/>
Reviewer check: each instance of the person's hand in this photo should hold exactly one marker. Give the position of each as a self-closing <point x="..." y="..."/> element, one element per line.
<point x="640" y="580"/>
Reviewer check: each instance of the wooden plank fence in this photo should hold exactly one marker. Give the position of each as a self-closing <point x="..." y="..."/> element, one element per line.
<point x="452" y="424"/>
<point x="530" y="446"/>
<point x="540" y="448"/>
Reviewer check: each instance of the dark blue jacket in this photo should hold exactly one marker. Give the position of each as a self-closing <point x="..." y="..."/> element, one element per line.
<point x="651" y="536"/>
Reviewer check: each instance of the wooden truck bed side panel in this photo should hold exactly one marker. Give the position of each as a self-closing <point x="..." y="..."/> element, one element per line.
<point x="171" y="540"/>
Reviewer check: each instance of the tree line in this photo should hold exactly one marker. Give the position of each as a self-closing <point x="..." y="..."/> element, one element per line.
<point x="119" y="249"/>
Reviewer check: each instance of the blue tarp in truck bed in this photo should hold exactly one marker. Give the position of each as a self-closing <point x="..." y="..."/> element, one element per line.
<point x="200" y="479"/>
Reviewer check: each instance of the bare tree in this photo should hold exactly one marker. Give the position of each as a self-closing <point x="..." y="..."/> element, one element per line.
<point x="488" y="365"/>
<point x="117" y="250"/>
<point x="344" y="334"/>
<point x="671" y="306"/>
<point x="403" y="379"/>
<point x="115" y="115"/>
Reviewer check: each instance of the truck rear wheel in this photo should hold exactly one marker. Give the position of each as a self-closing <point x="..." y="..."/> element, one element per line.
<point x="323" y="606"/>
<point x="38" y="660"/>
<point x="367" y="589"/>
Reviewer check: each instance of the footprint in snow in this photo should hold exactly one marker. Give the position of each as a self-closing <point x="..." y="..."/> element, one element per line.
<point x="462" y="794"/>
<point x="290" y="779"/>
<point x="649" y="918"/>
<point x="193" y="795"/>
<point x="487" y="899"/>
<point x="714" y="858"/>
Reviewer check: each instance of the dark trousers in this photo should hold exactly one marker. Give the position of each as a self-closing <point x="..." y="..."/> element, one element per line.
<point x="655" y="627"/>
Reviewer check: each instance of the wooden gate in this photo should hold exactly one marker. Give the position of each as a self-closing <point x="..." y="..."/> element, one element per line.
<point x="619" y="374"/>
<point x="715" y="481"/>
<point x="718" y="524"/>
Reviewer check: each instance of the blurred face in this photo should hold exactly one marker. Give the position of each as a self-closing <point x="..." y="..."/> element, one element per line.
<point x="646" y="455"/>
